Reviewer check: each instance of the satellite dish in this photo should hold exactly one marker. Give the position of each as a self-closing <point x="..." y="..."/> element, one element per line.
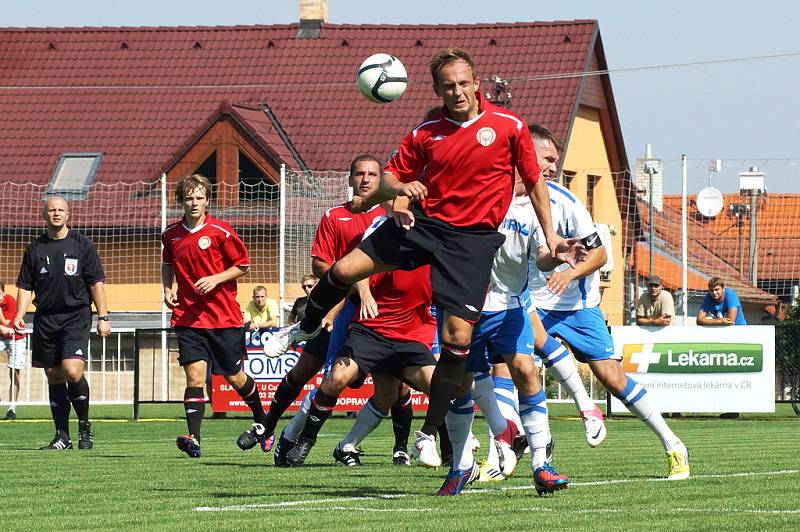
<point x="709" y="202"/>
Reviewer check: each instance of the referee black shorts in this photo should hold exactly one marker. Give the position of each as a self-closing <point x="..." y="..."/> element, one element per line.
<point x="222" y="349"/>
<point x="460" y="259"/>
<point x="374" y="353"/>
<point x="59" y="336"/>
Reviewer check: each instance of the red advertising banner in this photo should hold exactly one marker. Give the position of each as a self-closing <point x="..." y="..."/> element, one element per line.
<point x="268" y="372"/>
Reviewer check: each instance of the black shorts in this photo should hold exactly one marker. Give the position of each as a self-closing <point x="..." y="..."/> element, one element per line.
<point x="317" y="347"/>
<point x="60" y="336"/>
<point x="374" y="353"/>
<point x="460" y="259"/>
<point x="223" y="349"/>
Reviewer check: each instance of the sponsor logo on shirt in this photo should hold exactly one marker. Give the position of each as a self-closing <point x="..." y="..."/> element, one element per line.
<point x="516" y="226"/>
<point x="204" y="242"/>
<point x="486" y="136"/>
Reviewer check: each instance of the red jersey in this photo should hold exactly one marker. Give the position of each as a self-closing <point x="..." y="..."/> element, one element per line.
<point x="208" y="249"/>
<point x="9" y="308"/>
<point x="468" y="166"/>
<point x="340" y="231"/>
<point x="404" y="306"/>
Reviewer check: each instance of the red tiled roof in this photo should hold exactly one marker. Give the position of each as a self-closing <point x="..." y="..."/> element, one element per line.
<point x="778" y="233"/>
<point x="138" y="95"/>
<point x="706" y="257"/>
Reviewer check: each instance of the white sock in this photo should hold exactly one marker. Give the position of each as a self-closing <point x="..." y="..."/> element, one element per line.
<point x="533" y="412"/>
<point x="557" y="361"/>
<point x="295" y="427"/>
<point x="459" y="426"/>
<point x="505" y="394"/>
<point x="483" y="395"/>
<point x="634" y="397"/>
<point x="367" y="420"/>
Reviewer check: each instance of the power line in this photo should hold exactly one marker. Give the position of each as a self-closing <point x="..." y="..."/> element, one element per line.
<point x="591" y="73"/>
<point x="540" y="77"/>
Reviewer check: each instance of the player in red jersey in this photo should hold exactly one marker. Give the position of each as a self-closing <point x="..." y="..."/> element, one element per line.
<point x="458" y="169"/>
<point x="397" y="341"/>
<point x="339" y="232"/>
<point x="204" y="257"/>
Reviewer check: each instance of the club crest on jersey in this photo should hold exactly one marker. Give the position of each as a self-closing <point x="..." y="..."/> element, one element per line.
<point x="486" y="136"/>
<point x="71" y="266"/>
<point x="204" y="242"/>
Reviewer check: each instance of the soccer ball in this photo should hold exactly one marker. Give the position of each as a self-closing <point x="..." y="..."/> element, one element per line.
<point x="382" y="78"/>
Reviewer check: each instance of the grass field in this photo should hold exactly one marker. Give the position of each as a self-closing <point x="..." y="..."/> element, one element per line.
<point x="746" y="476"/>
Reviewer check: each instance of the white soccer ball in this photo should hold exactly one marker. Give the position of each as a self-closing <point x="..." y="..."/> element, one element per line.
<point x="382" y="78"/>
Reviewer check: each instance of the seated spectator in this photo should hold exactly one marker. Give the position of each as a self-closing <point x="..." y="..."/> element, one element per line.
<point x="721" y="306"/>
<point x="261" y="312"/>
<point x="299" y="308"/>
<point x="656" y="306"/>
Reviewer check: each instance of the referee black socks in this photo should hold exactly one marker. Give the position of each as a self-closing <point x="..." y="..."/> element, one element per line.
<point x="79" y="397"/>
<point x="59" y="406"/>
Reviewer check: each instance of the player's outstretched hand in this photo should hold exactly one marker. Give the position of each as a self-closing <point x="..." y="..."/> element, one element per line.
<point x="571" y="251"/>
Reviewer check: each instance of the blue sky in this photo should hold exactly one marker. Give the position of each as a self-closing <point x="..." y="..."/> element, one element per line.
<point x="744" y="112"/>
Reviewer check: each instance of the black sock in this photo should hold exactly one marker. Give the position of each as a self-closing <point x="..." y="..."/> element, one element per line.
<point x="59" y="406"/>
<point x="321" y="407"/>
<point x="325" y="295"/>
<point x="445" y="446"/>
<point x="194" y="403"/>
<point x="286" y="393"/>
<point x="79" y="397"/>
<point x="402" y="415"/>
<point x="249" y="392"/>
<point x="446" y="379"/>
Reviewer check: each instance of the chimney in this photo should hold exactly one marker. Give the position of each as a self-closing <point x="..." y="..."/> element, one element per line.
<point x="313" y="14"/>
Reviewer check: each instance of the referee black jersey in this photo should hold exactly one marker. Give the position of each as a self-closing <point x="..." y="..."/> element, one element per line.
<point x="60" y="272"/>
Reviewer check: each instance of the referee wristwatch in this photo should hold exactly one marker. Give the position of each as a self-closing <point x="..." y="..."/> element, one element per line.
<point x="102" y="318"/>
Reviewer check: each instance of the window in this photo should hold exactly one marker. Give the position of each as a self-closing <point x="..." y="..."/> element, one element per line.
<point x="566" y="178"/>
<point x="591" y="183"/>
<point x="73" y="175"/>
<point x="254" y="185"/>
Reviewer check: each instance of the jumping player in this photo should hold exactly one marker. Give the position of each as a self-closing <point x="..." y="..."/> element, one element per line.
<point x="204" y="256"/>
<point x="468" y="154"/>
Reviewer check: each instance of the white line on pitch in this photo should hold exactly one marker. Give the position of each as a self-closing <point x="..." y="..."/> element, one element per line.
<point x="275" y="505"/>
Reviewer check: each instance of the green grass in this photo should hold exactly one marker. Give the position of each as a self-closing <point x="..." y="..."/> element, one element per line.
<point x="745" y="477"/>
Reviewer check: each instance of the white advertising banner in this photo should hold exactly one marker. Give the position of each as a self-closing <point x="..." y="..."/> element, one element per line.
<point x="700" y="369"/>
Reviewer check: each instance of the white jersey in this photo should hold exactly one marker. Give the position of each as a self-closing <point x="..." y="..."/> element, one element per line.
<point x="509" y="280"/>
<point x="570" y="220"/>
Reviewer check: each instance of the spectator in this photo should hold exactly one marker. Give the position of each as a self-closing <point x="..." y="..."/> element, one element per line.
<point x="261" y="312"/>
<point x="13" y="343"/>
<point x="721" y="306"/>
<point x="656" y="306"/>
<point x="299" y="307"/>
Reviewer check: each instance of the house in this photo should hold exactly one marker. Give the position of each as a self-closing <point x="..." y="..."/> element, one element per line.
<point x="113" y="107"/>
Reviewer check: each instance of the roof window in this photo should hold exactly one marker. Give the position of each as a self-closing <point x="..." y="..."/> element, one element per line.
<point x="73" y="175"/>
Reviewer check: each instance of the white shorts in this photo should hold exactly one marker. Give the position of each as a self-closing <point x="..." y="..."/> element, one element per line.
<point x="16" y="352"/>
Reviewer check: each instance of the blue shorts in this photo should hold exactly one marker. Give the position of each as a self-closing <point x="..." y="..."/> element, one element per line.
<point x="506" y="332"/>
<point x="585" y="331"/>
<point x="339" y="333"/>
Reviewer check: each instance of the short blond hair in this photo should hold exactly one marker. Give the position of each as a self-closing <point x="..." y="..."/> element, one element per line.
<point x="189" y="183"/>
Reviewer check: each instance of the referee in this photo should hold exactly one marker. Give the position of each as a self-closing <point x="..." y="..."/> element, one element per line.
<point x="63" y="268"/>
